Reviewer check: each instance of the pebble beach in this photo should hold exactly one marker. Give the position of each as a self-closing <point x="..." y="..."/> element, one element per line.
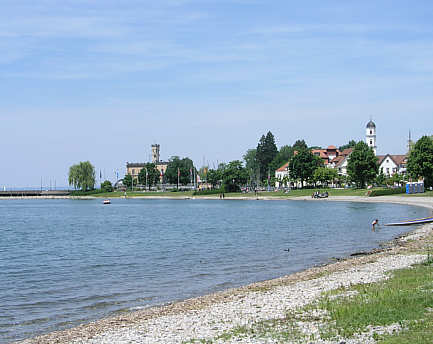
<point x="209" y="318"/>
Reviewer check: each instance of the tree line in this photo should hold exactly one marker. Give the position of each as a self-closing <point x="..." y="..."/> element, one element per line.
<point x="259" y="165"/>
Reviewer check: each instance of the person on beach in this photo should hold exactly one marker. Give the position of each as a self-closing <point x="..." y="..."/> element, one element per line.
<point x="373" y="224"/>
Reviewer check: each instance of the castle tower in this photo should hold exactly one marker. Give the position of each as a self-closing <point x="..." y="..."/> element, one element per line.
<point x="155" y="153"/>
<point x="370" y="136"/>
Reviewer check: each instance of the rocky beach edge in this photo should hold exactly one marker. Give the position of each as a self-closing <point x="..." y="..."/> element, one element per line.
<point x="209" y="317"/>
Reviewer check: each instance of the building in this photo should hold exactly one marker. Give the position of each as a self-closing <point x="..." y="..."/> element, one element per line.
<point x="391" y="164"/>
<point x="340" y="162"/>
<point x="370" y="136"/>
<point x="327" y="155"/>
<point x="280" y="174"/>
<point x="134" y="168"/>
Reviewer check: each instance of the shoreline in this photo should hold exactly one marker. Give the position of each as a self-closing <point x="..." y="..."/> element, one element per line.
<point x="153" y="324"/>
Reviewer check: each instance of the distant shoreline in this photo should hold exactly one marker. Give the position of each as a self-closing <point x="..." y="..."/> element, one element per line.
<point x="422" y="201"/>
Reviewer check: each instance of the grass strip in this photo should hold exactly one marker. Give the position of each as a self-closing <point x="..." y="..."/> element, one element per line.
<point x="404" y="299"/>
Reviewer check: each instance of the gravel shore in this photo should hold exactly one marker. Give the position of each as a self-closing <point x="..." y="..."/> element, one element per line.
<point x="211" y="316"/>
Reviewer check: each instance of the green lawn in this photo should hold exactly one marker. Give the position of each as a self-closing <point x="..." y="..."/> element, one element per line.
<point x="425" y="194"/>
<point x="302" y="192"/>
<point x="405" y="299"/>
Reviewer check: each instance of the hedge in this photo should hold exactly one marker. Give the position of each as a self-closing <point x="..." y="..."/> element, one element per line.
<point x="384" y="192"/>
<point x="208" y="192"/>
<point x="87" y="193"/>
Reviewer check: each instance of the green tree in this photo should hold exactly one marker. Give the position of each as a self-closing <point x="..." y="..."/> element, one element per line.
<point x="127" y="181"/>
<point x="82" y="176"/>
<point x="252" y="166"/>
<point x="185" y="166"/>
<point x="325" y="175"/>
<point x="299" y="145"/>
<point x="214" y="177"/>
<point x="106" y="186"/>
<point x="303" y="165"/>
<point x="152" y="175"/>
<point x="381" y="178"/>
<point x="351" y="144"/>
<point x="266" y="152"/>
<point x="362" y="166"/>
<point x="283" y="156"/>
<point x="420" y="162"/>
<point x="234" y="176"/>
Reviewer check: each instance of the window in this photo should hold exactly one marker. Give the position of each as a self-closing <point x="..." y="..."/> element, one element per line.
<point x="371" y="132"/>
<point x="371" y="142"/>
<point x="133" y="171"/>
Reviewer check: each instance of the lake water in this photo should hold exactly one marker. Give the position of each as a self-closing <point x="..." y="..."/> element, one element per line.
<point x="65" y="262"/>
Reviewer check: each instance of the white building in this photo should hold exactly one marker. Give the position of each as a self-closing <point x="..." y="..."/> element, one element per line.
<point x="340" y="162"/>
<point x="391" y="164"/>
<point x="280" y="173"/>
<point x="370" y="136"/>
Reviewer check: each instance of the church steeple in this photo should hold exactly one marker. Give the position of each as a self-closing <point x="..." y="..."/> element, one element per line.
<point x="370" y="137"/>
<point x="409" y="143"/>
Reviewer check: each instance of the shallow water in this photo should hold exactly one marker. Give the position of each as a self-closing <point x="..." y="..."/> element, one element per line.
<point x="65" y="262"/>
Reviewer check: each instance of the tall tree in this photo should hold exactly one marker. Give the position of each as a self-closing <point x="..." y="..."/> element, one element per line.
<point x="362" y="165"/>
<point x="420" y="162"/>
<point x="265" y="153"/>
<point x="234" y="176"/>
<point x="184" y="166"/>
<point x="299" y="145"/>
<point x="152" y="175"/>
<point x="82" y="176"/>
<point x="252" y="166"/>
<point x="303" y="164"/>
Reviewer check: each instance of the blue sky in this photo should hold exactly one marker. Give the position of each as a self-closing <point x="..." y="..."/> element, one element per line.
<point x="103" y="80"/>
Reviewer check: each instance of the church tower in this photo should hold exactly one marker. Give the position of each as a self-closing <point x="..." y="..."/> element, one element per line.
<point x="370" y="137"/>
<point x="155" y="153"/>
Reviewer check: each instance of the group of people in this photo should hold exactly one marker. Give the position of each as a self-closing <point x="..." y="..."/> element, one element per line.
<point x="317" y="194"/>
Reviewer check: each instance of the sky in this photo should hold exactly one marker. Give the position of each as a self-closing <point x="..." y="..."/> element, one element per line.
<point x="101" y="80"/>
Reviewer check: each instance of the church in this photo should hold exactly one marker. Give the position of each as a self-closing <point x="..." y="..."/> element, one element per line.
<point x="389" y="164"/>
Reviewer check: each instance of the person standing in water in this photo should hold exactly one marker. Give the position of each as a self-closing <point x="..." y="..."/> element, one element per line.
<point x="373" y="224"/>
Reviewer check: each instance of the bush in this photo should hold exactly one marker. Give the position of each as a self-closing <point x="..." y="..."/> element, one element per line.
<point x="384" y="192"/>
<point x="106" y="186"/>
<point x="208" y="192"/>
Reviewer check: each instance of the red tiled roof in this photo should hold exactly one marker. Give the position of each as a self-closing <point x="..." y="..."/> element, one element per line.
<point x="331" y="147"/>
<point x="347" y="151"/>
<point x="283" y="168"/>
<point x="398" y="159"/>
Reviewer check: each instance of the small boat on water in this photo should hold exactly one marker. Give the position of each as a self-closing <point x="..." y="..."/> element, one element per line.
<point x="106" y="201"/>
<point x="411" y="222"/>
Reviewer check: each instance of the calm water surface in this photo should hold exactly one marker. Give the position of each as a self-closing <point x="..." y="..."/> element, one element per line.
<point x="65" y="262"/>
